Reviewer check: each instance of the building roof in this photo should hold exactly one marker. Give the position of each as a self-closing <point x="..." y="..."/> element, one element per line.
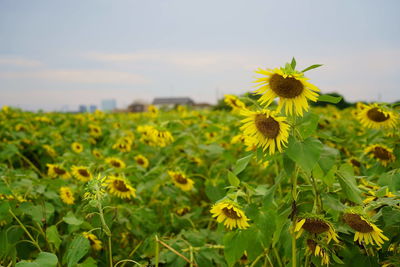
<point x="172" y="100"/>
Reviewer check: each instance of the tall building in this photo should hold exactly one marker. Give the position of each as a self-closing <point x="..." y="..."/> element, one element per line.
<point x="108" y="104"/>
<point x="92" y="108"/>
<point x="82" y="108"/>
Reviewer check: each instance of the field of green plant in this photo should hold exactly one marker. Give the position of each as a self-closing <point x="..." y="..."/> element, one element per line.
<point x="260" y="184"/>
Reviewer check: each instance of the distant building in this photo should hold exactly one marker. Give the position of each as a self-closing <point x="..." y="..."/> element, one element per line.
<point x="108" y="104"/>
<point x="92" y="108"/>
<point x="136" y="107"/>
<point x="82" y="108"/>
<point x="173" y="101"/>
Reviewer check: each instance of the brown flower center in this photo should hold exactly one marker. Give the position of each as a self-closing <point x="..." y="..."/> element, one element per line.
<point x="285" y="87"/>
<point x="355" y="162"/>
<point x="120" y="186"/>
<point x="115" y="163"/>
<point x="376" y="115"/>
<point x="311" y="244"/>
<point x="315" y="226"/>
<point x="140" y="161"/>
<point x="358" y="224"/>
<point x="267" y="126"/>
<point x="84" y="172"/>
<point x="59" y="171"/>
<point x="180" y="179"/>
<point x="231" y="213"/>
<point x="381" y="153"/>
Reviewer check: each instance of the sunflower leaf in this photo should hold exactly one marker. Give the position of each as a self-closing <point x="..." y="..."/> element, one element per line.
<point x="329" y="99"/>
<point x="305" y="153"/>
<point x="241" y="164"/>
<point x="312" y="67"/>
<point x="233" y="180"/>
<point x="348" y="183"/>
<point x="293" y="63"/>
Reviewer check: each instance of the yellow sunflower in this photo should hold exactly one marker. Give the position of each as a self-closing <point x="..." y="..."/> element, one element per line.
<point x="81" y="173"/>
<point x="377" y="117"/>
<point x="122" y="146"/>
<point x="230" y="213"/>
<point x="316" y="226"/>
<point x="97" y="153"/>
<point x="94" y="241"/>
<point x="153" y="110"/>
<point x="120" y="187"/>
<point x="142" y="161"/>
<point x="66" y="195"/>
<point x="77" y="147"/>
<point x="381" y="153"/>
<point x="181" y="181"/>
<point x="50" y="151"/>
<point x="234" y="103"/>
<point x="94" y="130"/>
<point x="313" y="248"/>
<point x="366" y="231"/>
<point x="270" y="131"/>
<point x="291" y="87"/>
<point x="116" y="162"/>
<point x="55" y="170"/>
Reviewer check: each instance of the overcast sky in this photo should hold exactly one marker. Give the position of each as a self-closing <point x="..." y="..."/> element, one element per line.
<point x="58" y="53"/>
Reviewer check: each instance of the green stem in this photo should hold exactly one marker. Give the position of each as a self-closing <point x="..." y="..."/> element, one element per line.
<point x="157" y="251"/>
<point x="294" y="217"/>
<point x="26" y="231"/>
<point x="278" y="258"/>
<point x="106" y="231"/>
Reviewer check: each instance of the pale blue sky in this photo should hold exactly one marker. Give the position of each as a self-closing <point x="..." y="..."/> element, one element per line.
<point x="55" y="53"/>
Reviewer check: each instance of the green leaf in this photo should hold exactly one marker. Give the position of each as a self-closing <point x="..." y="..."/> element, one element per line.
<point x="233" y="180"/>
<point x="89" y="262"/>
<point x="337" y="259"/>
<point x="77" y="249"/>
<point x="235" y="243"/>
<point x="329" y="99"/>
<point x="44" y="259"/>
<point x="71" y="219"/>
<point x="241" y="164"/>
<point x="306" y="153"/>
<point x="308" y="124"/>
<point x="348" y="183"/>
<point x="53" y="236"/>
<point x="328" y="158"/>
<point x="312" y="67"/>
<point x="293" y="63"/>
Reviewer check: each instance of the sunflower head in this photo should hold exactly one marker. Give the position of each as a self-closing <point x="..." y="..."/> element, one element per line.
<point x="231" y="214"/>
<point x="181" y="180"/>
<point x="316" y="225"/>
<point x="120" y="187"/>
<point x="94" y="241"/>
<point x="377" y="117"/>
<point x="77" y="147"/>
<point x="316" y="249"/>
<point x="142" y="161"/>
<point x="268" y="130"/>
<point x="290" y="86"/>
<point x="55" y="170"/>
<point x="66" y="195"/>
<point x="234" y="102"/>
<point x="381" y="153"/>
<point x="81" y="173"/>
<point x="116" y="163"/>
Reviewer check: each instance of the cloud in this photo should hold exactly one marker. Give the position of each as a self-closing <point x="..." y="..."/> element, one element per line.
<point x="78" y="76"/>
<point x="19" y="61"/>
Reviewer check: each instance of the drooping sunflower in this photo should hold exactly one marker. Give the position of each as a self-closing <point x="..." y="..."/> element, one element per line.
<point x="381" y="153"/>
<point x="230" y="213"/>
<point x="377" y="117"/>
<point x="316" y="225"/>
<point x="313" y="248"/>
<point x="270" y="131"/>
<point x="94" y="241"/>
<point x="77" y="147"/>
<point x="234" y="102"/>
<point x="142" y="161"/>
<point x="82" y="173"/>
<point x="291" y="87"/>
<point x="120" y="187"/>
<point x="55" y="170"/>
<point x="116" y="162"/>
<point x="366" y="232"/>
<point x="181" y="181"/>
<point x="66" y="195"/>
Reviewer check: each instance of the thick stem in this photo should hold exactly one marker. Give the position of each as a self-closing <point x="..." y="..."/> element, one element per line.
<point x="26" y="231"/>
<point x="294" y="217"/>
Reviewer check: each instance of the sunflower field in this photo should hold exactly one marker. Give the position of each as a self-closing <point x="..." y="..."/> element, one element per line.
<point x="263" y="184"/>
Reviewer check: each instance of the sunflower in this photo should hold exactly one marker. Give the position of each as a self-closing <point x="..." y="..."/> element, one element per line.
<point x="230" y="213"/>
<point x="94" y="130"/>
<point x="381" y="153"/>
<point x="142" y="161"/>
<point x="97" y="153"/>
<point x="119" y="186"/>
<point x="365" y="231"/>
<point x="313" y="248"/>
<point x="234" y="103"/>
<point x="81" y="173"/>
<point x="116" y="163"/>
<point x="181" y="181"/>
<point x="291" y="87"/>
<point x="377" y="117"/>
<point x="153" y="110"/>
<point x="316" y="225"/>
<point x="94" y="242"/>
<point x="55" y="170"/>
<point x="77" y="147"/>
<point x="66" y="195"/>
<point x="50" y="151"/>
<point x="182" y="210"/>
<point x="122" y="146"/>
<point x="270" y="131"/>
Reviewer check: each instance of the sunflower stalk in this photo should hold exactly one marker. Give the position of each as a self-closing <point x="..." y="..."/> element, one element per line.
<point x="106" y="230"/>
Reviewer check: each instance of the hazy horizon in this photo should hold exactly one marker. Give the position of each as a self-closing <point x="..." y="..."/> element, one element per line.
<point x="57" y="54"/>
